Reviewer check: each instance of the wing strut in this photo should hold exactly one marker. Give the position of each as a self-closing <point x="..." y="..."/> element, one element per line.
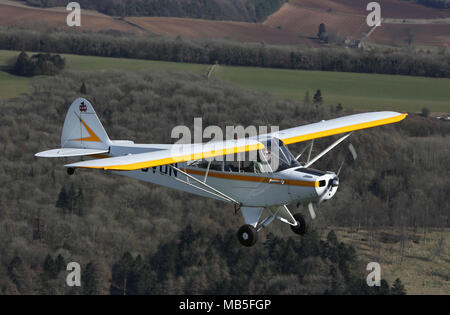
<point x="221" y="194"/>
<point x="304" y="149"/>
<point x="310" y="151"/>
<point x="331" y="147"/>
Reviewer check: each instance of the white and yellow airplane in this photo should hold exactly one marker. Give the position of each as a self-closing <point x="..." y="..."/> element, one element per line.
<point x="251" y="187"/>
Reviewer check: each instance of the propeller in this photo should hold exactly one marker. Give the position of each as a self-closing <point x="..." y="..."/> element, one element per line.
<point x="312" y="212"/>
<point x="321" y="199"/>
<point x="352" y="150"/>
<point x="333" y="183"/>
<point x="340" y="168"/>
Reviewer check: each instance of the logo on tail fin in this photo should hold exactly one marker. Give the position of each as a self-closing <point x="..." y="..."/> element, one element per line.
<point x="83" y="107"/>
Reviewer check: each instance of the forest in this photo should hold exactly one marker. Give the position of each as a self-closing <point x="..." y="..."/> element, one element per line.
<point x="440" y="4"/>
<point x="135" y="238"/>
<point x="225" y="52"/>
<point x="238" y="10"/>
<point x="38" y="64"/>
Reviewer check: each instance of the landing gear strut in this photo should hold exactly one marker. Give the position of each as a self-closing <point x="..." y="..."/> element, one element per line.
<point x="247" y="235"/>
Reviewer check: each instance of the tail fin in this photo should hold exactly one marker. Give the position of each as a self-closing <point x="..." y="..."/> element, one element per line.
<point x="83" y="133"/>
<point x="82" y="128"/>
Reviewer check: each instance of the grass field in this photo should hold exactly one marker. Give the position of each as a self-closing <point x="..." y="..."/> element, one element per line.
<point x="12" y="86"/>
<point x="88" y="63"/>
<point x="424" y="266"/>
<point x="353" y="90"/>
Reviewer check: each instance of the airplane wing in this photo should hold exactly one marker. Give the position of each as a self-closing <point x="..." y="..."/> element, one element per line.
<point x="69" y="152"/>
<point x="176" y="154"/>
<point x="336" y="126"/>
<point x="189" y="152"/>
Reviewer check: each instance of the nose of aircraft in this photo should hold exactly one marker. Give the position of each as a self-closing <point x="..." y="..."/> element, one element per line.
<point x="327" y="186"/>
<point x="335" y="182"/>
<point x="323" y="185"/>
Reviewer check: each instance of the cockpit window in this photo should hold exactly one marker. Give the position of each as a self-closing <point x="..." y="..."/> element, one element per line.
<point x="282" y="158"/>
<point x="275" y="157"/>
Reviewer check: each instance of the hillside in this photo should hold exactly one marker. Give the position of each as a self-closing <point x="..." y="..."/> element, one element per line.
<point x="201" y="29"/>
<point x="18" y="14"/>
<point x="421" y="260"/>
<point x="236" y="10"/>
<point x="348" y="18"/>
<point x="296" y="22"/>
<point x="304" y="17"/>
<point x="442" y="4"/>
<point x="187" y="243"/>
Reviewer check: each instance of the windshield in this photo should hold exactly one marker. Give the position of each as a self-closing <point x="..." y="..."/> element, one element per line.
<point x="277" y="155"/>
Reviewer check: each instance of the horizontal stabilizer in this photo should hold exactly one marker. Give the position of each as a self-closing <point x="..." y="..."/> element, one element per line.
<point x="69" y="152"/>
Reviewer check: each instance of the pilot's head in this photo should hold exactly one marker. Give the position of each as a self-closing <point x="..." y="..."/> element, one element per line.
<point x="265" y="154"/>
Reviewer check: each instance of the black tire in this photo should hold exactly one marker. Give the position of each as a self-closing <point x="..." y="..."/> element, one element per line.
<point x="301" y="228"/>
<point x="70" y="170"/>
<point x="247" y="235"/>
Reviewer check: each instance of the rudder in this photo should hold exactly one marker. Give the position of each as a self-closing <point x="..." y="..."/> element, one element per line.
<point x="82" y="128"/>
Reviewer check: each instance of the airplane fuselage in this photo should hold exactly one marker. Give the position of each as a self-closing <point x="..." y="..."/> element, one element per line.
<point x="249" y="189"/>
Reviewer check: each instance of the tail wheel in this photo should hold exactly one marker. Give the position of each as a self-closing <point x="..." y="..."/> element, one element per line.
<point x="300" y="228"/>
<point x="247" y="235"/>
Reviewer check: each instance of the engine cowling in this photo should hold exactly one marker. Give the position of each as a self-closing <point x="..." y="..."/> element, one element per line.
<point x="328" y="186"/>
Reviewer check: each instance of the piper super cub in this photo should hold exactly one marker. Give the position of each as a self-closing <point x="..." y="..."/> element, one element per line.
<point x="202" y="168"/>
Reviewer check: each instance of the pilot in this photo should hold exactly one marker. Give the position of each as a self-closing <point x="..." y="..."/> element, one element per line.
<point x="261" y="165"/>
<point x="266" y="155"/>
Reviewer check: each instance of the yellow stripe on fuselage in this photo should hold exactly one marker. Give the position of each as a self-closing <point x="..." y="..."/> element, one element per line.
<point x="253" y="178"/>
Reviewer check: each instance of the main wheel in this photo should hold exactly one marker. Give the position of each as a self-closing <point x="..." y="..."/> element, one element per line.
<point x="247" y="235"/>
<point x="300" y="228"/>
<point x="70" y="170"/>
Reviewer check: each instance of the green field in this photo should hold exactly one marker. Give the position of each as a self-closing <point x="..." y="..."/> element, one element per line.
<point x="353" y="90"/>
<point x="11" y="85"/>
<point x="88" y="63"/>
